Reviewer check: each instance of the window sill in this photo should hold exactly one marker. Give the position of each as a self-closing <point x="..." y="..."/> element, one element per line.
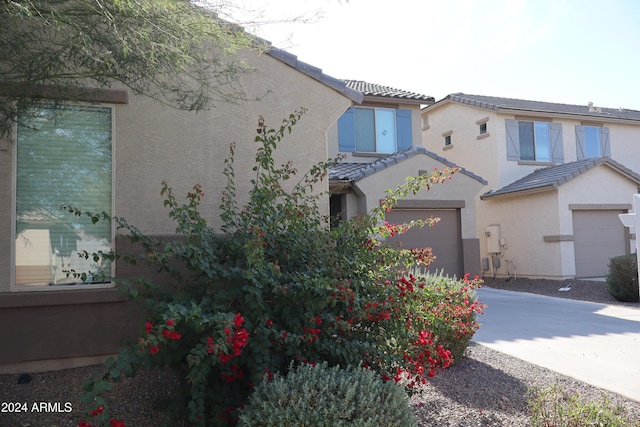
<point x="368" y="154"/>
<point x="534" y="163"/>
<point x="59" y="297"/>
<point x="484" y="135"/>
<point x="447" y="147"/>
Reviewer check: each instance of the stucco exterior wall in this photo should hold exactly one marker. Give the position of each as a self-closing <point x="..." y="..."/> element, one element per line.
<point x="460" y="187"/>
<point x="526" y="220"/>
<point x="152" y="143"/>
<point x="468" y="148"/>
<point x="523" y="221"/>
<point x="155" y="143"/>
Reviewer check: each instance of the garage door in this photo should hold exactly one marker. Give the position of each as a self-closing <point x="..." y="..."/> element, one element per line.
<point x="598" y="236"/>
<point x="444" y="238"/>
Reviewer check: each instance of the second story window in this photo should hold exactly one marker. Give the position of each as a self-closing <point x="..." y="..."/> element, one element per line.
<point x="534" y="141"/>
<point x="592" y="141"/>
<point x="375" y="130"/>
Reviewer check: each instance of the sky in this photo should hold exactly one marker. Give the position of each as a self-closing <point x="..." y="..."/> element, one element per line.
<point x="566" y="51"/>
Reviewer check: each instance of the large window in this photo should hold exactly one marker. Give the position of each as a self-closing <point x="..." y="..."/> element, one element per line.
<point x="592" y="141"/>
<point x="534" y="141"/>
<point x="64" y="157"/>
<point x="375" y="130"/>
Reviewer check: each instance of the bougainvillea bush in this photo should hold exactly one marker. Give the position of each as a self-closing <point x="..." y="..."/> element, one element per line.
<point x="275" y="285"/>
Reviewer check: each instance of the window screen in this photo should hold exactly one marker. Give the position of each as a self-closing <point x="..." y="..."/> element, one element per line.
<point x="64" y="157"/>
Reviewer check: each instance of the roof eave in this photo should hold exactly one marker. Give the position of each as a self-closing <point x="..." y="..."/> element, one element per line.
<point x="315" y="73"/>
<point x="517" y="193"/>
<point x="396" y="100"/>
<point x="585" y="117"/>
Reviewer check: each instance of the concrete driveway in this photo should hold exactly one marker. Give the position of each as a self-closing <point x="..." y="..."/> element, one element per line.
<point x="595" y="343"/>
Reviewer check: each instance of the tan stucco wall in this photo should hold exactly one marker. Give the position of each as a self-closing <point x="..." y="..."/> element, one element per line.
<point x="460" y="187"/>
<point x="466" y="149"/>
<point x="525" y="221"/>
<point x="153" y="142"/>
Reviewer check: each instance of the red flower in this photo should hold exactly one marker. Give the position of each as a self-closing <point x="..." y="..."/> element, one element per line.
<point x="227" y="331"/>
<point x="269" y="322"/>
<point x="284" y="335"/>
<point x="170" y="322"/>
<point x="84" y="424"/>
<point x="318" y="320"/>
<point x="99" y="410"/>
<point x="116" y="423"/>
<point x="165" y="333"/>
<point x="154" y="349"/>
<point x="238" y="320"/>
<point x="173" y="335"/>
<point x="148" y="326"/>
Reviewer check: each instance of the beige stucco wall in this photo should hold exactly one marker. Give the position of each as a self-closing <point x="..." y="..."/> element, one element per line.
<point x="480" y="156"/>
<point x="525" y="221"/>
<point x="460" y="187"/>
<point x="153" y="142"/>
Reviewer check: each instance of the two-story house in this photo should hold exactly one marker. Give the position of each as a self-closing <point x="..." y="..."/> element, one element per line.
<point x="558" y="176"/>
<point x="380" y="140"/>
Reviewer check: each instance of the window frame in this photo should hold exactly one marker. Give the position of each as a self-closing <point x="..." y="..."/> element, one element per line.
<point x="604" y="140"/>
<point x="375" y="129"/>
<point x="513" y="145"/>
<point x="14" y="214"/>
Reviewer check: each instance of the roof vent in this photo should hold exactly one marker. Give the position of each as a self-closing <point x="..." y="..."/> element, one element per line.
<point x="593" y="109"/>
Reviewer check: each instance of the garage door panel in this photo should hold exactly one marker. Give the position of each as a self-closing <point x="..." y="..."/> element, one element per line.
<point x="598" y="236"/>
<point x="444" y="237"/>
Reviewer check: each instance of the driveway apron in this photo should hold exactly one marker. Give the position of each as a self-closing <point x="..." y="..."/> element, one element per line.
<point x="594" y="343"/>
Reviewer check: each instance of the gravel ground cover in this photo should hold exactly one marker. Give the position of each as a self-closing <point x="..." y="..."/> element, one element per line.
<point x="486" y="389"/>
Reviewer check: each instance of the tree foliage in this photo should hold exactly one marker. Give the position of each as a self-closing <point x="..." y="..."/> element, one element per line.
<point x="174" y="51"/>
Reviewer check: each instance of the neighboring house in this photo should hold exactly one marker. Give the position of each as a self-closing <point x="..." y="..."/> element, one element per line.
<point x="558" y="176"/>
<point x="112" y="155"/>
<point x="380" y="140"/>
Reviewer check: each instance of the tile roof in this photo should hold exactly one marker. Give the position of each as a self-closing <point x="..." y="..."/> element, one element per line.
<point x="496" y="103"/>
<point x="348" y="172"/>
<point x="315" y="73"/>
<point x="553" y="176"/>
<point x="372" y="89"/>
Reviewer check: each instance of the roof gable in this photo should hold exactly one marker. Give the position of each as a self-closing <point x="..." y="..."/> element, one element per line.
<point x="349" y="172"/>
<point x="552" y="177"/>
<point x="520" y="105"/>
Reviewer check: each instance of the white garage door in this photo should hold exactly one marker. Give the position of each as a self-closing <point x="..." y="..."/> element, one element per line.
<point x="598" y="236"/>
<point x="444" y="238"/>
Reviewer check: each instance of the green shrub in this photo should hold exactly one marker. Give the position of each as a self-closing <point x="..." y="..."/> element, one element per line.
<point x="275" y="284"/>
<point x="622" y="278"/>
<point x="554" y="407"/>
<point x="317" y="396"/>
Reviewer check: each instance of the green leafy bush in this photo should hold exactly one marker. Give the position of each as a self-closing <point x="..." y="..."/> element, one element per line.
<point x="275" y="284"/>
<point x="622" y="278"/>
<point x="317" y="396"/>
<point x="554" y="407"/>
